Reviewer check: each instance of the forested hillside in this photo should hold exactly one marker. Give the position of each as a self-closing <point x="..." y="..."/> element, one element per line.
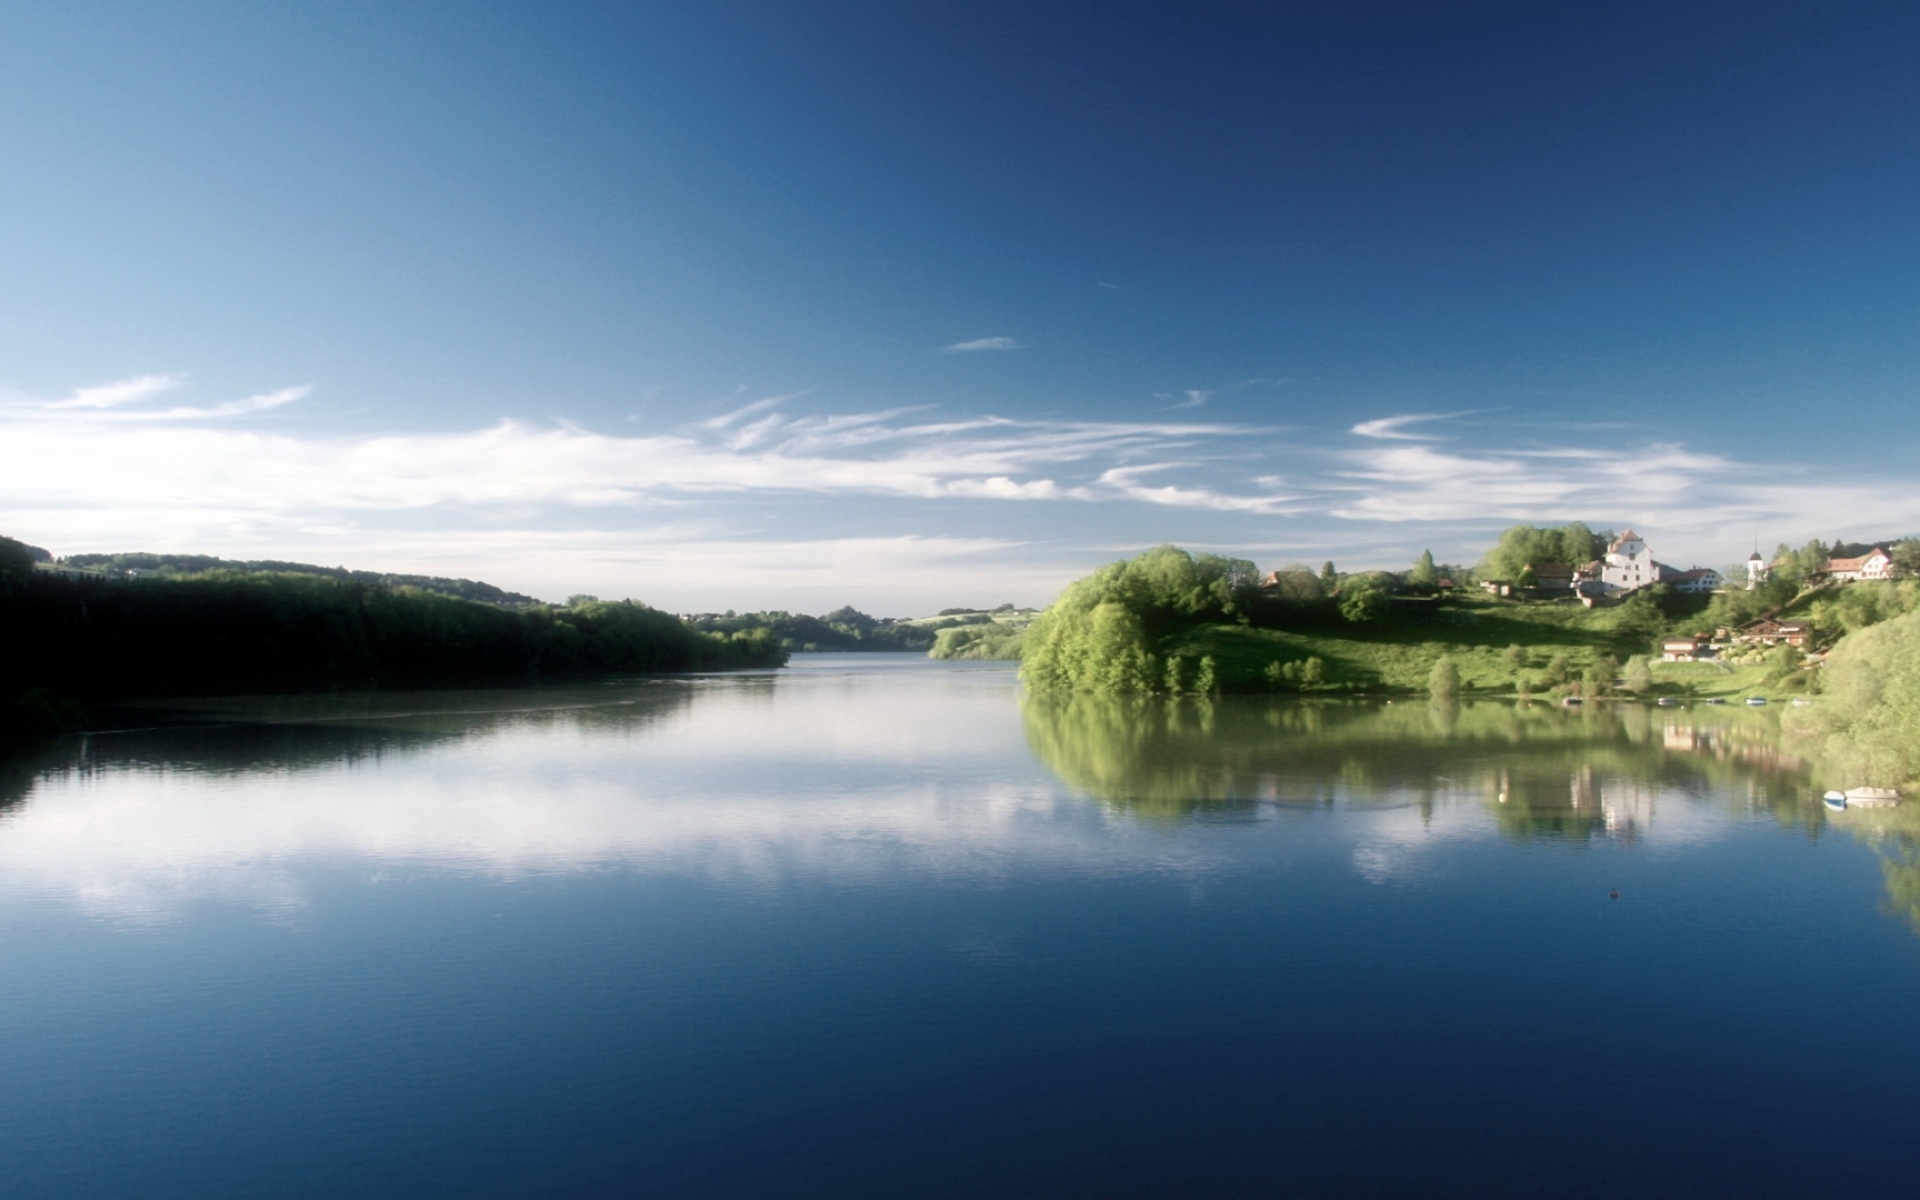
<point x="66" y="638"/>
<point x="174" y="566"/>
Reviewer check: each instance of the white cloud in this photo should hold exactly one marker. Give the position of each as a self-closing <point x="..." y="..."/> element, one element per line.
<point x="693" y="516"/>
<point x="126" y="391"/>
<point x="987" y="343"/>
<point x="1394" y="428"/>
<point x="514" y="462"/>
<point x="229" y="408"/>
<point x="115" y="401"/>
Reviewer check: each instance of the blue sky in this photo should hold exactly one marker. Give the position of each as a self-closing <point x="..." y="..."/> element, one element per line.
<point x="915" y="304"/>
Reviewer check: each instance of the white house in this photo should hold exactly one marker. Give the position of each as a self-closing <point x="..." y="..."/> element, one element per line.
<point x="1629" y="564"/>
<point x="1699" y="579"/>
<point x="1685" y="649"/>
<point x="1875" y="564"/>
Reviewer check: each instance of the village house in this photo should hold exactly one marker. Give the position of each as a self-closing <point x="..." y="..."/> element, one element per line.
<point x="1552" y="577"/>
<point x="1875" y="564"/>
<point x="1699" y="579"/>
<point x="1629" y="564"/>
<point x="1686" y="649"/>
<point x="1769" y="632"/>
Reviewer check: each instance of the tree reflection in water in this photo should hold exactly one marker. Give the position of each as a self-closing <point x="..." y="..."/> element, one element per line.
<point x="1541" y="770"/>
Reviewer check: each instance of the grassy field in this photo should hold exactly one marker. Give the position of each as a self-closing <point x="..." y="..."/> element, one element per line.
<point x="1710" y="680"/>
<point x="979" y="633"/>
<point x="1397" y="655"/>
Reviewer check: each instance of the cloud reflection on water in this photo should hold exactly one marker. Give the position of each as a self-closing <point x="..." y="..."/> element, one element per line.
<point x="842" y="775"/>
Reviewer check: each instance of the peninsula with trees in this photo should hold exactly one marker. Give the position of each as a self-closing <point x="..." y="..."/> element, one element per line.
<point x="1563" y="612"/>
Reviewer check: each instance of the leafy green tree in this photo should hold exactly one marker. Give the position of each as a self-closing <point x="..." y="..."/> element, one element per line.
<point x="1329" y="579"/>
<point x="1906" y="556"/>
<point x="1869" y="719"/>
<point x="1362" y="603"/>
<point x="1443" y="682"/>
<point x="1599" y="677"/>
<point x="1423" y="574"/>
<point x="1515" y="657"/>
<point x="1572" y="543"/>
<point x="1637" y="677"/>
<point x="1559" y="670"/>
<point x="1525" y="578"/>
<point x="1787" y="664"/>
<point x="1576" y="544"/>
<point x="1296" y="583"/>
<point x="1204" y="680"/>
<point x="1104" y="631"/>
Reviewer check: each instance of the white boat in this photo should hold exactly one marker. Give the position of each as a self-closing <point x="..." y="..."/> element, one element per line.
<point x="1667" y="702"/>
<point x="1871" y="797"/>
<point x="1756" y="701"/>
<point x="1835" y="801"/>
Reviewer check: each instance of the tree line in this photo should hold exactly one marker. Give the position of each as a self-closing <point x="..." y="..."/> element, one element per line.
<point x="842" y="629"/>
<point x="82" y="638"/>
<point x="172" y="566"/>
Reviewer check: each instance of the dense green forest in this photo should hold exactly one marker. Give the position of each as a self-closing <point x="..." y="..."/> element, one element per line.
<point x="174" y="566"/>
<point x="76" y="638"/>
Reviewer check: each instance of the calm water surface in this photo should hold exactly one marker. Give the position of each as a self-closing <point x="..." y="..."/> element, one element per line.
<point x="873" y="926"/>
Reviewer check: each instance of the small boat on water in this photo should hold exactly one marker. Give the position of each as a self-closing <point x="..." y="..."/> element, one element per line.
<point x="1756" y="701"/>
<point x="1861" y="797"/>
<point x="1667" y="702"/>
<point x="1570" y="701"/>
<point x="1716" y="700"/>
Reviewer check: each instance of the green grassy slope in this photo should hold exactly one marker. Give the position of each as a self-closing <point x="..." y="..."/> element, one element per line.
<point x="1399" y="653"/>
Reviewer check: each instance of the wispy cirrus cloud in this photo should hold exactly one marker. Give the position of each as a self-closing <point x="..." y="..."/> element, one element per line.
<point x="113" y="395"/>
<point x="122" y="401"/>
<point x="123" y="472"/>
<point x="1395" y="428"/>
<point x="68" y="457"/>
<point x="986" y="343"/>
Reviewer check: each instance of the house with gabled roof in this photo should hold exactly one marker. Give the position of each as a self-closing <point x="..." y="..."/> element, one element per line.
<point x="1770" y="632"/>
<point x="1629" y="564"/>
<point x="1698" y="579"/>
<point x="1874" y="564"/>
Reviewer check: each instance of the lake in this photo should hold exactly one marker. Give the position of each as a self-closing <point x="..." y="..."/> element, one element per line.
<point x="878" y="926"/>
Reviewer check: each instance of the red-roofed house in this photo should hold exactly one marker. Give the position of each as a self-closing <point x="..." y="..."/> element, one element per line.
<point x="1874" y="564"/>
